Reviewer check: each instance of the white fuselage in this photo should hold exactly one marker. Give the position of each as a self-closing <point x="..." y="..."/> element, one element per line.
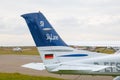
<point x="76" y="57"/>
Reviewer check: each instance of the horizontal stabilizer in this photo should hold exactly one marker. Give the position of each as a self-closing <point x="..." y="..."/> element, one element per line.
<point x="85" y="67"/>
<point x="36" y="66"/>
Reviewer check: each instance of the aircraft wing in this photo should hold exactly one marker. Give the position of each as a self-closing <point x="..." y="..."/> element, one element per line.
<point x="35" y="66"/>
<point x="84" y="67"/>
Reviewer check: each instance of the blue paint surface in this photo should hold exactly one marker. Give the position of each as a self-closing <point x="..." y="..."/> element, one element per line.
<point x="74" y="55"/>
<point x="42" y="31"/>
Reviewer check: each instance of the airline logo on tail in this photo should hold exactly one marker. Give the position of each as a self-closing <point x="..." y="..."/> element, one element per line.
<point x="42" y="23"/>
<point x="42" y="31"/>
<point x="51" y="37"/>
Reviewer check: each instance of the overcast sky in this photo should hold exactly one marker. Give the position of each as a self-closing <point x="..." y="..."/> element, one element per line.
<point x="74" y="20"/>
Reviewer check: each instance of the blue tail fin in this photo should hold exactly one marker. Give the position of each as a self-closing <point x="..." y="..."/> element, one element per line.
<point x="41" y="30"/>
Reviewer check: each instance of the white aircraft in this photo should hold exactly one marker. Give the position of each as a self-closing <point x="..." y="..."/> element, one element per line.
<point x="17" y="49"/>
<point x="59" y="58"/>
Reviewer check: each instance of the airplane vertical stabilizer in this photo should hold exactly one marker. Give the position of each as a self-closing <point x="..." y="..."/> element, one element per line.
<point x="42" y="31"/>
<point x="47" y="40"/>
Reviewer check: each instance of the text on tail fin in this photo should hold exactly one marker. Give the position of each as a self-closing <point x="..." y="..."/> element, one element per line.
<point x="42" y="31"/>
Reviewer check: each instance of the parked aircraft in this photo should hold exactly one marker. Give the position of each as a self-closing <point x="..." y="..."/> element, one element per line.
<point x="59" y="58"/>
<point x="17" y="49"/>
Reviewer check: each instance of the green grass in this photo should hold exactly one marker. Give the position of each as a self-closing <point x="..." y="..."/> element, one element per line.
<point x="33" y="50"/>
<point x="104" y="50"/>
<point x="18" y="76"/>
<point x="25" y="51"/>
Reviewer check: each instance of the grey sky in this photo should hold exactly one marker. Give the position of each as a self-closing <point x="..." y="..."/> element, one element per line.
<point x="74" y="20"/>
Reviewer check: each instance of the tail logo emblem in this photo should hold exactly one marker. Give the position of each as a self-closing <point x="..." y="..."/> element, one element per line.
<point x="42" y="23"/>
<point x="51" y="37"/>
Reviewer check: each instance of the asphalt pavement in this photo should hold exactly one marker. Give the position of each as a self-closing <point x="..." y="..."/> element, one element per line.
<point x="12" y="64"/>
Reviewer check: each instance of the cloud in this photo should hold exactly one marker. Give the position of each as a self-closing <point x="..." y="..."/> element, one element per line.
<point x="73" y="20"/>
<point x="12" y="26"/>
<point x="97" y="27"/>
<point x="15" y="40"/>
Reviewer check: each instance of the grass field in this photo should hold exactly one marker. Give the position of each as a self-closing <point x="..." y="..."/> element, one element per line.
<point x="33" y="50"/>
<point x="18" y="76"/>
<point x="104" y="50"/>
<point x="25" y="51"/>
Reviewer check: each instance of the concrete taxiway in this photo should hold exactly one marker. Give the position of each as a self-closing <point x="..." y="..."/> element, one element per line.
<point x="12" y="64"/>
